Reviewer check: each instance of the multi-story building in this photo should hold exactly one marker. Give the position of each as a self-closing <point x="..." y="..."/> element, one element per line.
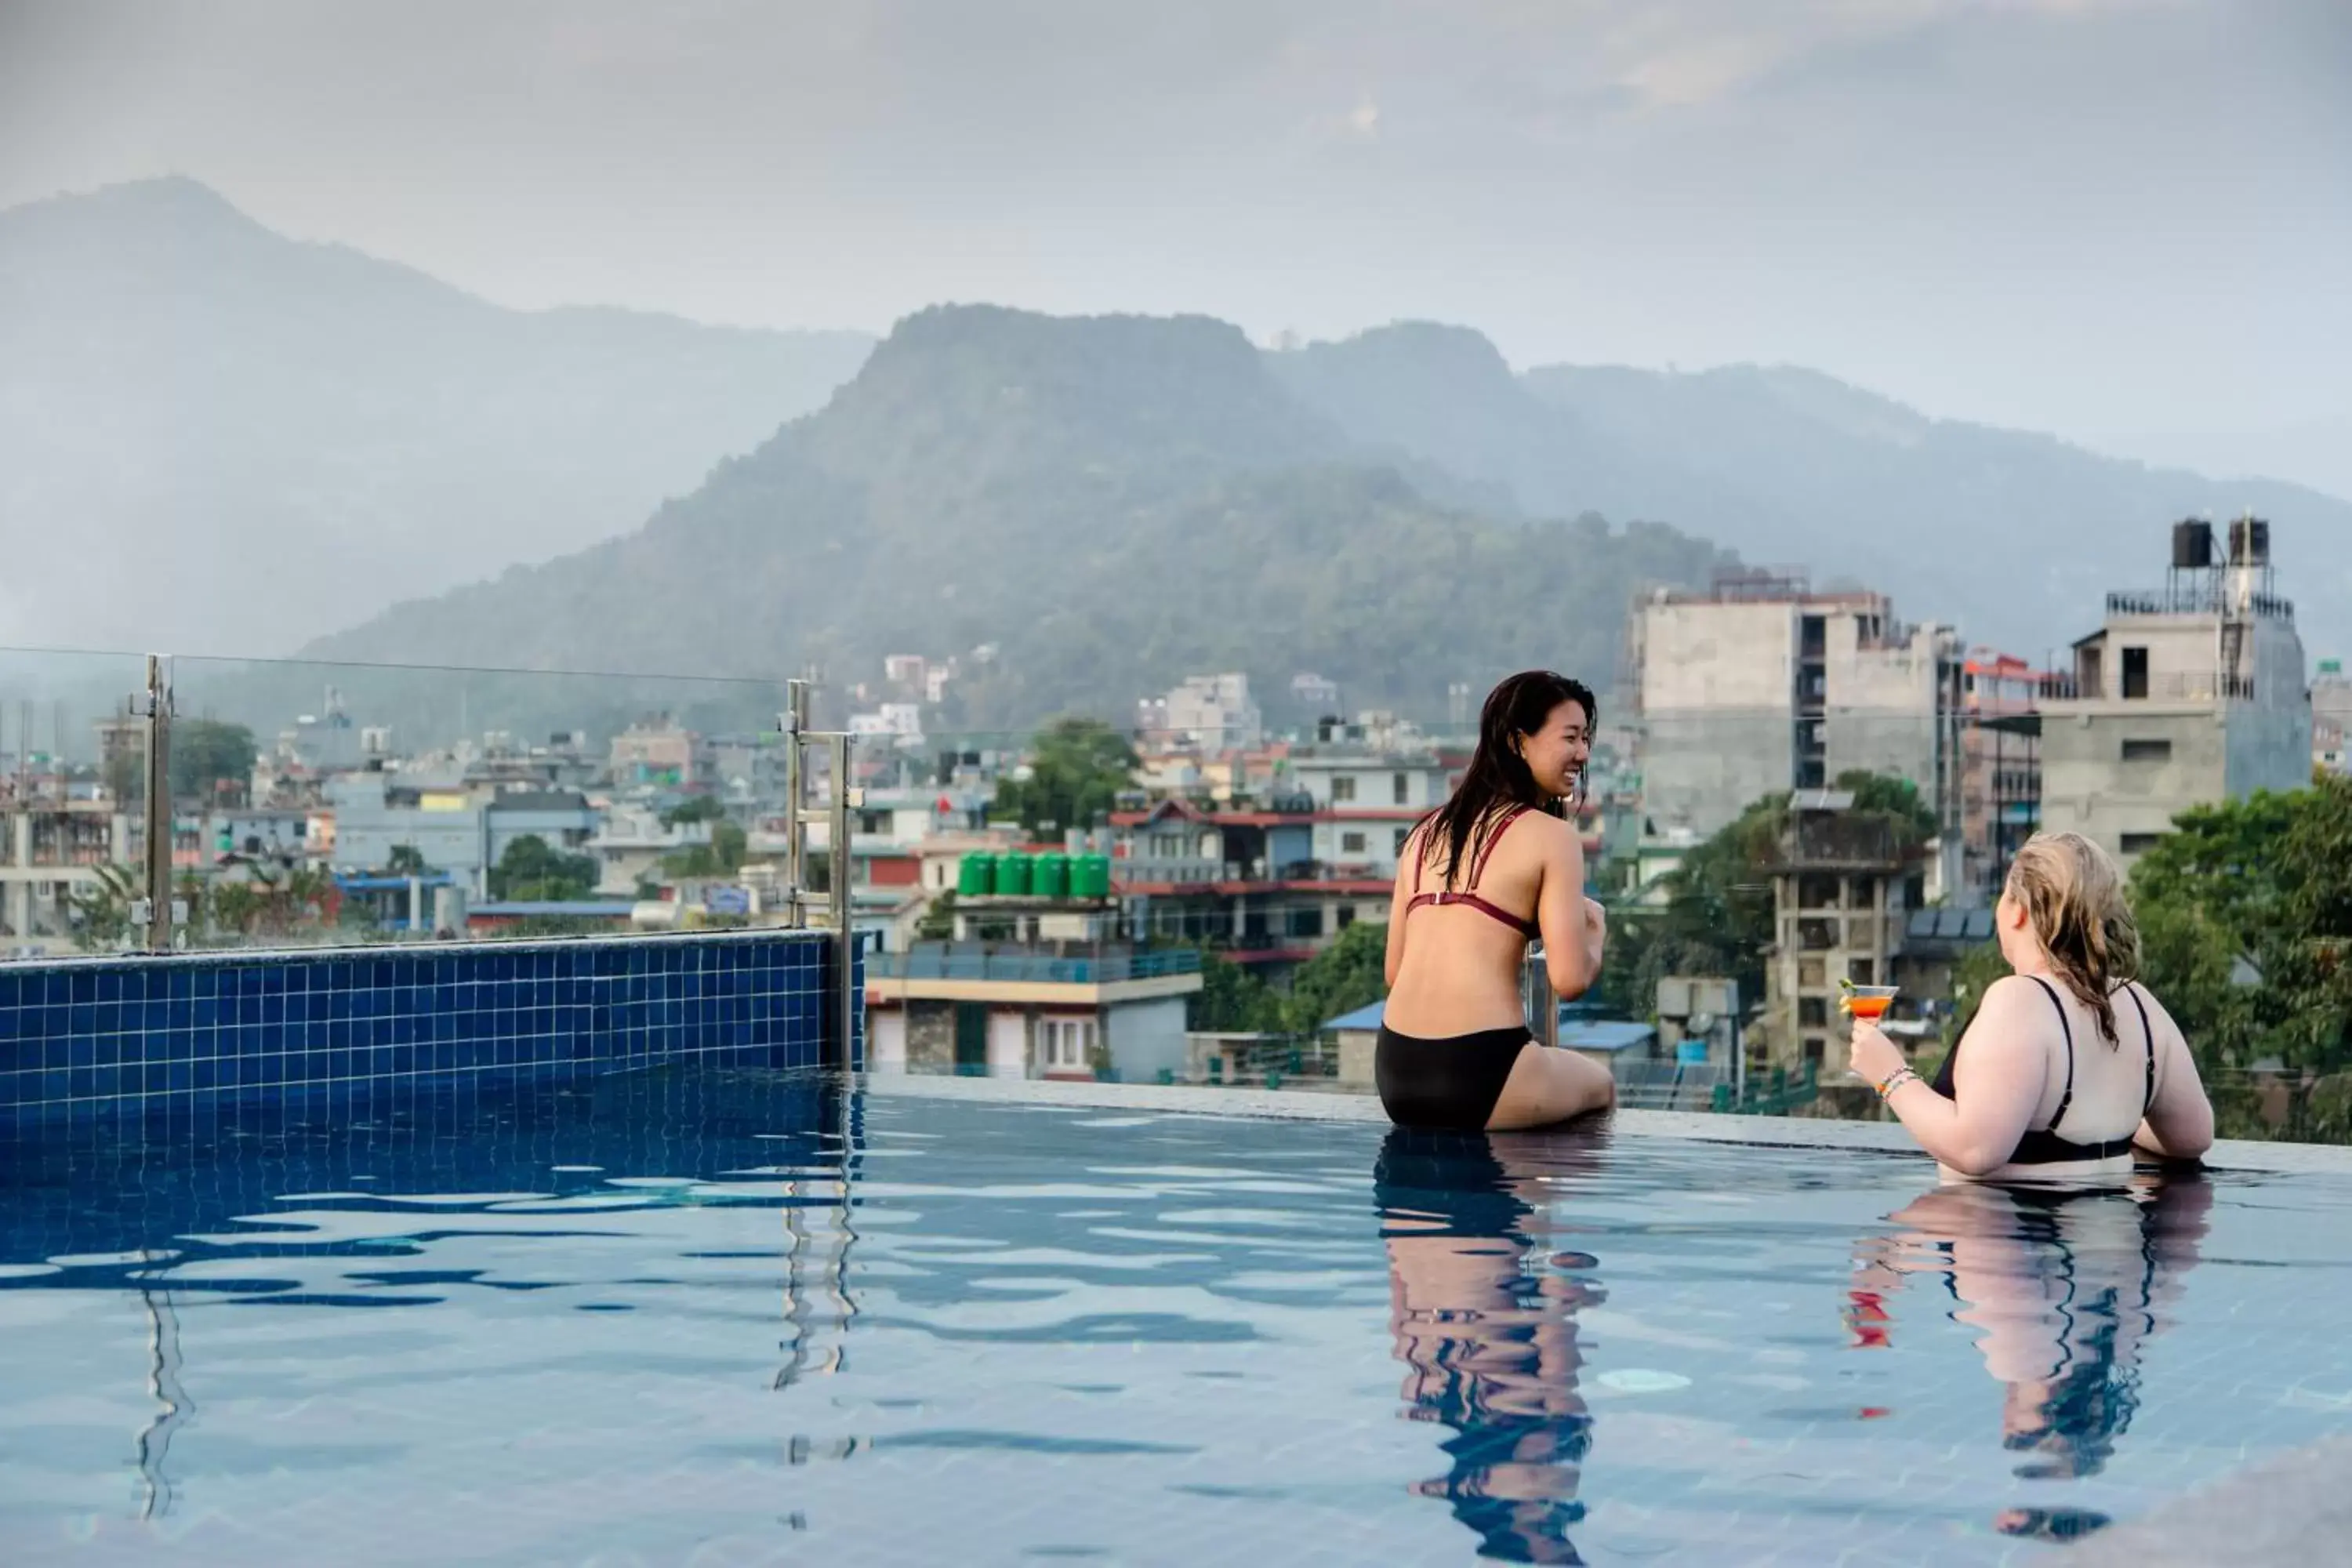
<point x="2331" y="717"/>
<point x="461" y="829"/>
<point x="1759" y="686"/>
<point x="52" y="846"/>
<point x="659" y="753"/>
<point x="1214" y="712"/>
<point x="2187" y="696"/>
<point x="1366" y="800"/>
<point x="1842" y="887"/>
<point x="2000" y="762"/>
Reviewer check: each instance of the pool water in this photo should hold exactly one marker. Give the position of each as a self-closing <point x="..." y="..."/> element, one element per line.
<point x="747" y="1317"/>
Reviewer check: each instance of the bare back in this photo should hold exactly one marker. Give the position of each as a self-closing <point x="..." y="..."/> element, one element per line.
<point x="1454" y="967"/>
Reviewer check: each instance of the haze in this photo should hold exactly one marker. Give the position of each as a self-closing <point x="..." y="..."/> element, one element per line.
<point x="2098" y="219"/>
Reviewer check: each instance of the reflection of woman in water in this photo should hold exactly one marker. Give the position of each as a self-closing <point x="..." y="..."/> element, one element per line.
<point x="1490" y="1343"/>
<point x="2064" y="1288"/>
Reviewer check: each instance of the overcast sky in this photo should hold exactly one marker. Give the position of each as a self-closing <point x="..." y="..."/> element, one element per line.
<point x="2092" y="216"/>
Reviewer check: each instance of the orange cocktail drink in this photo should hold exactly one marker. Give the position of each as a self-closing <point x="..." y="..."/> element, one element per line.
<point x="1869" y="1001"/>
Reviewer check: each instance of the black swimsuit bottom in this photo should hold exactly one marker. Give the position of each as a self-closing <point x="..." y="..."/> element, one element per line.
<point x="1450" y="1084"/>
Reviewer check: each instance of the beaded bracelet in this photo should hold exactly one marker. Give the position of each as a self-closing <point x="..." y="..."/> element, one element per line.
<point x="1895" y="1080"/>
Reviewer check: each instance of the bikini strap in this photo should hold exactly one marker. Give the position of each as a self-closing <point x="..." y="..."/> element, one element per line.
<point x="2067" y="1098"/>
<point x="1487" y="850"/>
<point x="2148" y="1031"/>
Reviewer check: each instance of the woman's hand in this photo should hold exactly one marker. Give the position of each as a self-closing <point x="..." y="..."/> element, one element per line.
<point x="1873" y="1054"/>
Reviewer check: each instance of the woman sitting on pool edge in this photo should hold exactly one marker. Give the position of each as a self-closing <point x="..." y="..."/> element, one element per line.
<point x="1454" y="1048"/>
<point x="2070" y="1064"/>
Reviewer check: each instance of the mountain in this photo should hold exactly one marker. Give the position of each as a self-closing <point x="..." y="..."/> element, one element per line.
<point x="1111" y="503"/>
<point x="2015" y="537"/>
<point x="213" y="436"/>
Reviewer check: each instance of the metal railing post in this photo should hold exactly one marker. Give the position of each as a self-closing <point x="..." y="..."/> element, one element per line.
<point x="795" y="725"/>
<point x="845" y="935"/>
<point x="1543" y="1004"/>
<point x="157" y="702"/>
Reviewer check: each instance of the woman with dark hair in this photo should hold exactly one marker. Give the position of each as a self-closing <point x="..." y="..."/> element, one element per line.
<point x="1454" y="1050"/>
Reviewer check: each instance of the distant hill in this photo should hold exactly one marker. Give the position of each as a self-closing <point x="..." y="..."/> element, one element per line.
<point x="215" y="436"/>
<point x="2015" y="537"/>
<point x="1111" y="503"/>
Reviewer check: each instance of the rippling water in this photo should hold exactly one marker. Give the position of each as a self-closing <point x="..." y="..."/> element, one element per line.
<point x="738" y="1319"/>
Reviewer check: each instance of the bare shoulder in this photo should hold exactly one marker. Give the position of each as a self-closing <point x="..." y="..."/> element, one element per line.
<point x="2017" y="1010"/>
<point x="2159" y="1017"/>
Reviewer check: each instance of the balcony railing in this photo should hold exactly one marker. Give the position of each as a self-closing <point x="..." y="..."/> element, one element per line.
<point x="1036" y="968"/>
<point x="2198" y="596"/>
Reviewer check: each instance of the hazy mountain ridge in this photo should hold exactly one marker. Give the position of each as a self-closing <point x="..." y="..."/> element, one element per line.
<point x="263" y="438"/>
<point x="2014" y="536"/>
<point x="1113" y="502"/>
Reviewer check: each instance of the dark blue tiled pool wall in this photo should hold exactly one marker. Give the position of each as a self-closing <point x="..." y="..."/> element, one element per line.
<point x="142" y="1032"/>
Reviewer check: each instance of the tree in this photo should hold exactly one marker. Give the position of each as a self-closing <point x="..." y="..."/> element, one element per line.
<point x="406" y="860"/>
<point x="2245" y="914"/>
<point x="700" y="808"/>
<point x="102" y="911"/>
<point x="1350" y="973"/>
<point x="530" y="870"/>
<point x="1232" y="1000"/>
<point x="723" y="857"/>
<point x="207" y="753"/>
<point x="1076" y="774"/>
<point x="938" y="921"/>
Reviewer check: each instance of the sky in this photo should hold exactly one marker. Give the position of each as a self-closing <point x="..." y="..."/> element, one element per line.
<point x="2125" y="221"/>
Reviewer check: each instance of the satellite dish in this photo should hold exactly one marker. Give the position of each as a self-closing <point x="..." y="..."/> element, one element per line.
<point x="1699" y="1024"/>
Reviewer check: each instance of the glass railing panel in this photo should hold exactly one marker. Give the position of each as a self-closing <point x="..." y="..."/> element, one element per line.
<point x="72" y="801"/>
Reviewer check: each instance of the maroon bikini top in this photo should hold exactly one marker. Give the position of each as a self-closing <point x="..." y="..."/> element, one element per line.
<point x="1527" y="927"/>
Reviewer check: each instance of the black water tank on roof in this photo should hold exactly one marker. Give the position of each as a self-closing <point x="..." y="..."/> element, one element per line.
<point x="2249" y="543"/>
<point x="2192" y="545"/>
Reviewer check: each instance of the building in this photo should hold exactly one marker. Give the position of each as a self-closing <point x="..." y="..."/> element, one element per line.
<point x="1366" y="800"/>
<point x="1247" y="881"/>
<point x="1759" y="686"/>
<point x="1314" y="693"/>
<point x="1030" y="1011"/>
<point x="454" y="827"/>
<point x="52" y="848"/>
<point x="2188" y="695"/>
<point x="658" y="753"/>
<point x="1214" y="712"/>
<point x="1842" y="891"/>
<point x="2331" y="717"/>
<point x="2000" y="762"/>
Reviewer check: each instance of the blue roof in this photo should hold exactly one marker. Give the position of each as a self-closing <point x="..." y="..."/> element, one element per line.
<point x="1361" y="1018"/>
<point x="1606" y="1034"/>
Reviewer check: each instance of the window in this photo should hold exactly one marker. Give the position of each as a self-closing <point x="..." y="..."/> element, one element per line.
<point x="1402" y="787"/>
<point x="1347" y="915"/>
<point x="1402" y="835"/>
<point x="1343" y="786"/>
<point x="2139" y="843"/>
<point x="1068" y="1043"/>
<point x="1813" y="1013"/>
<point x="1862" y="972"/>
<point x="1351" y="844"/>
<point x="1303" y="923"/>
<point x="1814" y="1049"/>
<point x="2135" y="672"/>
<point x="2147" y="750"/>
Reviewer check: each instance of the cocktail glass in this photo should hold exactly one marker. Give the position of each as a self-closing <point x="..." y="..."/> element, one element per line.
<point x="1869" y="1001"/>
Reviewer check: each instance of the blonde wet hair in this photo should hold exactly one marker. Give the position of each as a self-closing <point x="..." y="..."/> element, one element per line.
<point x="2073" y="895"/>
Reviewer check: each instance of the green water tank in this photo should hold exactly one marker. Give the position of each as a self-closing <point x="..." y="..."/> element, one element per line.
<point x="975" y="876"/>
<point x="1012" y="876"/>
<point x="1090" y="876"/>
<point x="1050" y="877"/>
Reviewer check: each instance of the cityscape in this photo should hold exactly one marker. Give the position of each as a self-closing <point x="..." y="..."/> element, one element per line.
<point x="1204" y="834"/>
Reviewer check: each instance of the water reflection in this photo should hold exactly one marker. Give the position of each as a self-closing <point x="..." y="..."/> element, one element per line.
<point x="1485" y="1319"/>
<point x="2064" y="1288"/>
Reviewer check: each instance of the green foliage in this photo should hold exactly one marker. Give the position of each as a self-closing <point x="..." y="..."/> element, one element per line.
<point x="699" y="808"/>
<point x="1076" y="772"/>
<point x="1350" y="973"/>
<point x="102" y="911"/>
<point x="1233" y="1000"/>
<point x="530" y="870"/>
<point x="938" y="923"/>
<point x="2268" y="879"/>
<point x="406" y="860"/>
<point x="207" y="753"/>
<point x="723" y="857"/>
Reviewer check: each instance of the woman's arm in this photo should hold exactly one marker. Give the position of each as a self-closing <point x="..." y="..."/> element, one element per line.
<point x="1408" y="855"/>
<point x="1995" y="1085"/>
<point x="2179" y="1123"/>
<point x="1571" y="924"/>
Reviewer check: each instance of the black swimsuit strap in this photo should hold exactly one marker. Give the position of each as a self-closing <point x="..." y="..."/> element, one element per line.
<point x="2147" y="1032"/>
<point x="2067" y="1098"/>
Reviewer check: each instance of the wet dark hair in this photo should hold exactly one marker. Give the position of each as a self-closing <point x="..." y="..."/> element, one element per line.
<point x="1498" y="778"/>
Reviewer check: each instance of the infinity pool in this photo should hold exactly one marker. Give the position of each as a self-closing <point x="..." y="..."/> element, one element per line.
<point x="738" y="1319"/>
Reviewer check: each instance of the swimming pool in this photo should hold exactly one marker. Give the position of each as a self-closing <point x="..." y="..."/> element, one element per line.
<point x="738" y="1317"/>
